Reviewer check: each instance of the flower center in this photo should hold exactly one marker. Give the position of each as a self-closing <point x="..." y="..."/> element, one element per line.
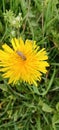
<point x="21" y="55"/>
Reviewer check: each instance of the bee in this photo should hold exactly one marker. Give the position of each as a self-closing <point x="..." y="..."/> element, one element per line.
<point x="21" y="55"/>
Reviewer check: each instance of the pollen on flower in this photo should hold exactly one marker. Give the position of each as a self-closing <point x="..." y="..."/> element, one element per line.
<point x="23" y="61"/>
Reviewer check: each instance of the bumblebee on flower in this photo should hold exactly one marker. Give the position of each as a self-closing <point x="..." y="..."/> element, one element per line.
<point x="23" y="62"/>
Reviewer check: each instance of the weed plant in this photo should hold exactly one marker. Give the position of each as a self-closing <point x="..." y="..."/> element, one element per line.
<point x="25" y="107"/>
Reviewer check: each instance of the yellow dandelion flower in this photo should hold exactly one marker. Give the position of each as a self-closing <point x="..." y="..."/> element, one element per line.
<point x="24" y="62"/>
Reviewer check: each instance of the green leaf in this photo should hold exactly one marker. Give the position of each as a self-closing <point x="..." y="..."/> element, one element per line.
<point x="47" y="108"/>
<point x="35" y="89"/>
<point x="57" y="106"/>
<point x="55" y="118"/>
<point x="3" y="87"/>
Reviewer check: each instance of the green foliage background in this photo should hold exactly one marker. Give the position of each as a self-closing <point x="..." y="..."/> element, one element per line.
<point x="24" y="107"/>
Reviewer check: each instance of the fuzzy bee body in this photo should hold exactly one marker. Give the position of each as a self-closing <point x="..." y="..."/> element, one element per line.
<point x="21" y="55"/>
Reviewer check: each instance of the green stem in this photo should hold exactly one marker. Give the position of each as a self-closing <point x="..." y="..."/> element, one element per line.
<point x="3" y="3"/>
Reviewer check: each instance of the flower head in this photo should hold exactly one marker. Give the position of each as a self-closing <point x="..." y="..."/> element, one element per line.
<point x="24" y="62"/>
